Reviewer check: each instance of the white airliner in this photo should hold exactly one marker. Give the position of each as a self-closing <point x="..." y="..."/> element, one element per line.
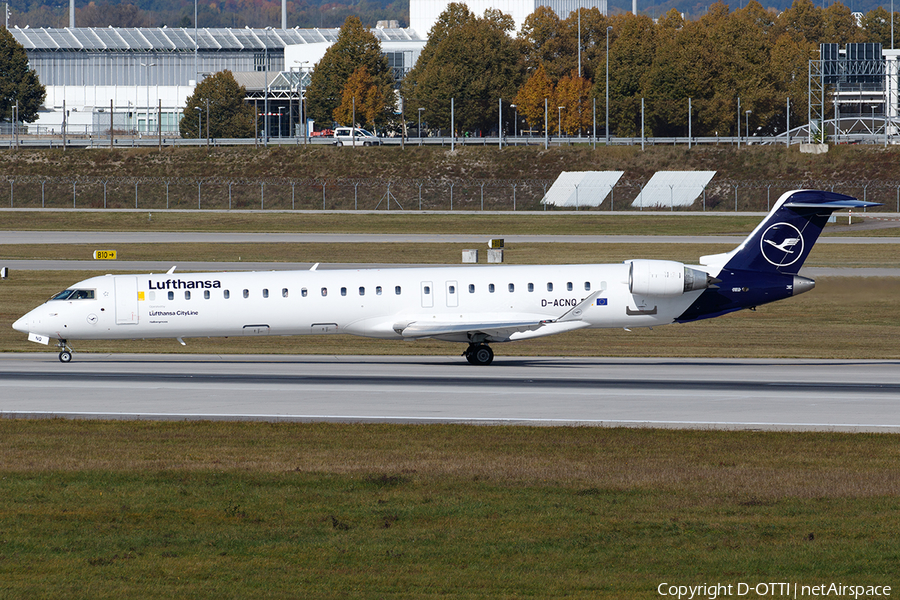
<point x="475" y="305"/>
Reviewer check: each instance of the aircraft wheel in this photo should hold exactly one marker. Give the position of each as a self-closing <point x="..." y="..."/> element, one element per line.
<point x="481" y="355"/>
<point x="65" y="356"/>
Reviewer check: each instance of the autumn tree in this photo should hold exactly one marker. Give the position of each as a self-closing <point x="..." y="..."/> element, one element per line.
<point x="229" y="115"/>
<point x="573" y="94"/>
<point x="18" y="82"/>
<point x="355" y="47"/>
<point x="531" y="98"/>
<point x="362" y="97"/>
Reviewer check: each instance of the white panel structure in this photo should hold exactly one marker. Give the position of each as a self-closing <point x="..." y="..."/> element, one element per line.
<point x="668" y="189"/>
<point x="581" y="189"/>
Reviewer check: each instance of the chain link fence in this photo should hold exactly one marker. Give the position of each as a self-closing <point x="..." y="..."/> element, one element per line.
<point x="218" y="193"/>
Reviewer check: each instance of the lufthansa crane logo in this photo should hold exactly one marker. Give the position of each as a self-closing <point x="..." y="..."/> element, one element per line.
<point x="781" y="244"/>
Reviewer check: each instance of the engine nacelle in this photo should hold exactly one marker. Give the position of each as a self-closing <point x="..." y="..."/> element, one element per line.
<point x="665" y="278"/>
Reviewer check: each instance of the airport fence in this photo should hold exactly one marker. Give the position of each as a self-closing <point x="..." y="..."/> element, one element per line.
<point x="217" y="193"/>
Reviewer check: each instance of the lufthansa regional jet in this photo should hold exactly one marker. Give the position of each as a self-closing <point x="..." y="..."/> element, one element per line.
<point x="473" y="305"/>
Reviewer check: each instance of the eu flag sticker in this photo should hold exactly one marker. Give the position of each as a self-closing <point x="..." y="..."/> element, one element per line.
<point x="601" y="301"/>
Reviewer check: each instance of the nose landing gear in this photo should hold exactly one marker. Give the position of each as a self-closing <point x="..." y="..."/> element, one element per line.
<point x="479" y="354"/>
<point x="65" y="353"/>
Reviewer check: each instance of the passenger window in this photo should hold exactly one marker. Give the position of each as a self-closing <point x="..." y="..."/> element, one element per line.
<point x="569" y="286"/>
<point x="377" y="290"/>
<point x="530" y="287"/>
<point x="397" y="290"/>
<point x="303" y="292"/>
<point x="206" y="294"/>
<point x="187" y="295"/>
<point x="426" y="289"/>
<point x="227" y="294"/>
<point x="265" y="292"/>
<point x="491" y="288"/>
<point x="471" y="288"/>
<point x="324" y="291"/>
<point x="452" y="289"/>
<point x="549" y="287"/>
<point x="362" y="291"/>
<point x="284" y="292"/>
<point x="171" y="295"/>
<point x="587" y="286"/>
<point x="246" y="293"/>
<point x="343" y="291"/>
<point x="512" y="287"/>
<point x="152" y="296"/>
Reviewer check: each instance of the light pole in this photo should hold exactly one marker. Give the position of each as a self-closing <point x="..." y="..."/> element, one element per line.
<point x="266" y="108"/>
<point x="873" y="122"/>
<point x="147" y="81"/>
<point x="579" y="42"/>
<point x="420" y="123"/>
<point x="747" y="124"/>
<point x="608" y="29"/>
<point x="515" y="121"/>
<point x="302" y="120"/>
<point x="199" y="121"/>
<point x="559" y="114"/>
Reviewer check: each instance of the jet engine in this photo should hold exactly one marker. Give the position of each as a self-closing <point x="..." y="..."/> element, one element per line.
<point x="665" y="278"/>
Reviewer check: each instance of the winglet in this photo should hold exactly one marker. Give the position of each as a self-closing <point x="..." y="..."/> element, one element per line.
<point x="576" y="313"/>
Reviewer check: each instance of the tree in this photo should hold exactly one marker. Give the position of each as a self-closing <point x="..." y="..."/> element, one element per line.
<point x="803" y="18"/>
<point x="531" y="98"/>
<point x="229" y="115"/>
<point x="372" y="106"/>
<point x="355" y="47"/>
<point x="18" y="83"/>
<point x="839" y="26"/>
<point x="475" y="64"/>
<point x="573" y="93"/>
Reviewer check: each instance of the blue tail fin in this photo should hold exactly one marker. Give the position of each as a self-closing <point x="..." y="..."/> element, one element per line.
<point x="781" y="243"/>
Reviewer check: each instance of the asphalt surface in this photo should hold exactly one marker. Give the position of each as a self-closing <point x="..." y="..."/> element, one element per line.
<point x="783" y="394"/>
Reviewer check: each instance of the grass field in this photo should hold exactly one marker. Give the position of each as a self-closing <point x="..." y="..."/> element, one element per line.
<point x="140" y="510"/>
<point x="96" y="509"/>
<point x="470" y="223"/>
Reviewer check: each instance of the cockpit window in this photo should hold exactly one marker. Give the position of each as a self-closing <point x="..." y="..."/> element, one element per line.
<point x="74" y="295"/>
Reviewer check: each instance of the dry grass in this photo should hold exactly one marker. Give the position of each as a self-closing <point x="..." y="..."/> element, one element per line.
<point x="761" y="465"/>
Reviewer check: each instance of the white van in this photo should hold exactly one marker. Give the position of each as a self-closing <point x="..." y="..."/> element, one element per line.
<point x="344" y="135"/>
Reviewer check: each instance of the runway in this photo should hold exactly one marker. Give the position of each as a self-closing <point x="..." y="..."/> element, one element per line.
<point x="766" y="394"/>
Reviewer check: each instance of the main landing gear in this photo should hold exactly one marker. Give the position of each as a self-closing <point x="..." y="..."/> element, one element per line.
<point x="479" y="354"/>
<point x="65" y="353"/>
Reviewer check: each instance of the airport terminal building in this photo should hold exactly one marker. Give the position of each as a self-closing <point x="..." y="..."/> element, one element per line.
<point x="146" y="75"/>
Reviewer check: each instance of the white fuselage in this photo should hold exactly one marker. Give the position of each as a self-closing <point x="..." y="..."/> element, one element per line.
<point x="376" y="303"/>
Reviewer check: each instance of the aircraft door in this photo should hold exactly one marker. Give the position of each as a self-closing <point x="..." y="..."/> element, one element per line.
<point x="427" y="294"/>
<point x="452" y="294"/>
<point x="126" y="300"/>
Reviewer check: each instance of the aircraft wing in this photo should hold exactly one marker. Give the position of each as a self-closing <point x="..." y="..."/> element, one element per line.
<point x="497" y="330"/>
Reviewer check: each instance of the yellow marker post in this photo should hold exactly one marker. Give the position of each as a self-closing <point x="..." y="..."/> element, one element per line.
<point x="104" y="255"/>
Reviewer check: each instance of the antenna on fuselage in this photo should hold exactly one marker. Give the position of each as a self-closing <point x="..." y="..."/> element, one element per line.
<point x="172" y="270"/>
